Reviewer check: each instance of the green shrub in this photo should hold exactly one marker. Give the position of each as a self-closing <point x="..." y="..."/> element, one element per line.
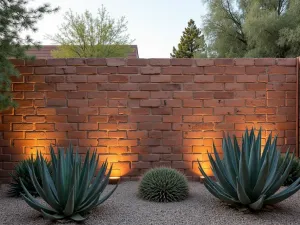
<point x="163" y="185"/>
<point x="295" y="171"/>
<point x="248" y="177"/>
<point x="21" y="172"/>
<point x="72" y="190"/>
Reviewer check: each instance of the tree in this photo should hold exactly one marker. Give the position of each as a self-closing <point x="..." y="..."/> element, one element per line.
<point x="191" y="43"/>
<point x="88" y="36"/>
<point x="253" y="28"/>
<point x="16" y="17"/>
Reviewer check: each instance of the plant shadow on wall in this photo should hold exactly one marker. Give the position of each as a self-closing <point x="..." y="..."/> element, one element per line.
<point x="73" y="189"/>
<point x="247" y="177"/>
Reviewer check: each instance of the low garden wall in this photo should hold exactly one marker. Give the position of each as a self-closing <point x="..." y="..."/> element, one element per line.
<point x="142" y="113"/>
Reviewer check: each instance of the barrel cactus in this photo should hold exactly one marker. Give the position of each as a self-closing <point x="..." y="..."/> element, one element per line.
<point x="163" y="185"/>
<point x="21" y="172"/>
<point x="73" y="189"/>
<point x="247" y="176"/>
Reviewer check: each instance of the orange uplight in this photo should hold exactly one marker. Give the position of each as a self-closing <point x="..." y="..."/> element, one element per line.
<point x="114" y="180"/>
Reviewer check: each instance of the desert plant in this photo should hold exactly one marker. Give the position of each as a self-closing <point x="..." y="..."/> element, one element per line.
<point x="249" y="177"/>
<point x="22" y="172"/>
<point x="72" y="190"/>
<point x="163" y="185"/>
<point x="294" y="173"/>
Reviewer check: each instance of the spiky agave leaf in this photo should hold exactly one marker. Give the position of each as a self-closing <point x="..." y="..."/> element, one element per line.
<point x="259" y="175"/>
<point x="72" y="190"/>
<point x="163" y="185"/>
<point x="21" y="172"/>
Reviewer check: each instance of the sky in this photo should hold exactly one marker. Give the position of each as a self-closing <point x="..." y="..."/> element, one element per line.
<point x="156" y="25"/>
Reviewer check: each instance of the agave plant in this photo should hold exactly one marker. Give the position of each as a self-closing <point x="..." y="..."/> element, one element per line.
<point x="21" y="171"/>
<point x="248" y="176"/>
<point x="294" y="173"/>
<point x="72" y="190"/>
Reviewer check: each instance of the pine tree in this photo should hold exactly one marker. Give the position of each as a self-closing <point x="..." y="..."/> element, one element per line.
<point x="16" y="17"/>
<point x="191" y="43"/>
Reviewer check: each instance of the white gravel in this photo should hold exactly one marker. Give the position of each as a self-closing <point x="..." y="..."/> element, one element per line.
<point x="124" y="207"/>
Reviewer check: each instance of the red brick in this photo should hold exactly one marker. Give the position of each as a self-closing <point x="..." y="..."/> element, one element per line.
<point x="180" y="165"/>
<point x="291" y="78"/>
<point x="224" y="62"/>
<point x="22" y="142"/>
<point x="161" y="79"/>
<point x="275" y="102"/>
<point x="97" y="134"/>
<point x="244" y="62"/>
<point x="286" y="62"/>
<point x="161" y="111"/>
<point x="145" y="119"/>
<point x="140" y="111"/>
<point x="255" y="70"/>
<point x="182" y="79"/>
<point x="139" y="94"/>
<point x="203" y="79"/>
<point x="265" y="62"/>
<point x="224" y="78"/>
<point x="56" y="62"/>
<point x="55" y="119"/>
<point x="44" y="70"/>
<point x="78" y="103"/>
<point x="238" y="70"/>
<point x="231" y="119"/>
<point x="117" y="95"/>
<point x="255" y="118"/>
<point x="150" y="70"/>
<point x="137" y="62"/>
<point x="97" y="78"/>
<point x="98" y="119"/>
<point x="224" y="95"/>
<point x="23" y="87"/>
<point x="87" y="87"/>
<point x="234" y="87"/>
<point x="128" y="70"/>
<point x="192" y="103"/>
<point x="128" y="87"/>
<point x="171" y="87"/>
<point x="276" y="118"/>
<point x="46" y="111"/>
<point x="126" y="126"/>
<point x="213" y="102"/>
<point x="65" y="111"/>
<point x="173" y="103"/>
<point x="107" y="70"/>
<point x="149" y="87"/>
<point x="66" y="87"/>
<point x="265" y="110"/>
<point x="44" y="126"/>
<point x="281" y="70"/>
<point x="191" y="119"/>
<point x="255" y="102"/>
<point x="150" y="103"/>
<point x="118" y="78"/>
<point x="247" y="78"/>
<point x="159" y="62"/>
<point x="234" y="102"/>
<point x="117" y="103"/>
<point x="25" y="70"/>
<point x="76" y="61"/>
<point x="256" y="87"/>
<point x="88" y="142"/>
<point x="214" y="87"/>
<point x="223" y="110"/>
<point x="56" y="102"/>
<point x="88" y="126"/>
<point x="182" y="62"/>
<point x="202" y="111"/>
<point x="214" y="70"/>
<point x="115" y="62"/>
<point x="96" y="62"/>
<point x="97" y="102"/>
<point x="172" y="119"/>
<point x="77" y="119"/>
<point x="65" y="70"/>
<point x="172" y="70"/>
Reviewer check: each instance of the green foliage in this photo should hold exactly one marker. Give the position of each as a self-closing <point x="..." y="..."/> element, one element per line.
<point x="294" y="173"/>
<point x="16" y="17"/>
<point x="163" y="185"/>
<point x="21" y="172"/>
<point x="86" y="35"/>
<point x="191" y="44"/>
<point x="256" y="28"/>
<point x="248" y="177"/>
<point x="72" y="190"/>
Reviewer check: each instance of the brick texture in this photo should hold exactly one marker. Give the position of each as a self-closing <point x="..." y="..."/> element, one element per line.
<point x="143" y="113"/>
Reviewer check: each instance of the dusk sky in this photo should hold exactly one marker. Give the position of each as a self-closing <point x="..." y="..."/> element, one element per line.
<point x="156" y="25"/>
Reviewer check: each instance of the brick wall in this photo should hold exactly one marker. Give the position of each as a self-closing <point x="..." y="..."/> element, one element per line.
<point x="141" y="113"/>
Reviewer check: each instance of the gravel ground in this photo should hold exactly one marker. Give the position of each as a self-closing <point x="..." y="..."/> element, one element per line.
<point x="124" y="207"/>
